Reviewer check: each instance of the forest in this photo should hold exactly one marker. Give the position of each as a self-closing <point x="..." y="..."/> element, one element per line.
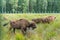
<point x="29" y="6"/>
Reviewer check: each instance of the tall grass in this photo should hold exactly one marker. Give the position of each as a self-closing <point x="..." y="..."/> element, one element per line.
<point x="42" y="32"/>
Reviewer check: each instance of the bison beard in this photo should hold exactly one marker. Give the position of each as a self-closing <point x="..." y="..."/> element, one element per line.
<point x="44" y="20"/>
<point x="22" y="24"/>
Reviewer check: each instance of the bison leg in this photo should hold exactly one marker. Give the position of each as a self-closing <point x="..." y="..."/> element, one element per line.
<point x="10" y="28"/>
<point x="23" y="31"/>
<point x="14" y="30"/>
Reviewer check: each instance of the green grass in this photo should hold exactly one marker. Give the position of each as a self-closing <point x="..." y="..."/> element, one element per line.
<point x="42" y="32"/>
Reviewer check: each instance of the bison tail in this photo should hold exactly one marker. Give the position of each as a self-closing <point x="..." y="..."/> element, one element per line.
<point x="5" y="24"/>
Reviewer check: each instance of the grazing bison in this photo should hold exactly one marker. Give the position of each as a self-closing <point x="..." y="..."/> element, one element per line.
<point x="49" y="19"/>
<point x="22" y="24"/>
<point x="37" y="20"/>
<point x="44" y="20"/>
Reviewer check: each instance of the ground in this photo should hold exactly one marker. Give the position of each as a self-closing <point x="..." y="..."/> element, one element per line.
<point x="42" y="32"/>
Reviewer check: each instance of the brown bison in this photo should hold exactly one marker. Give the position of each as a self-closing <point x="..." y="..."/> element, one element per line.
<point x="49" y="19"/>
<point x="37" y="20"/>
<point x="44" y="20"/>
<point x="22" y="24"/>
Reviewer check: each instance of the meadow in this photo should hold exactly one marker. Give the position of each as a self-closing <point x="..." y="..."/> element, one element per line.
<point x="42" y="32"/>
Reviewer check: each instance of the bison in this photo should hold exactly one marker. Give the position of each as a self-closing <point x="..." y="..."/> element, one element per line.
<point x="49" y="19"/>
<point x="44" y="20"/>
<point x="22" y="24"/>
<point x="37" y="20"/>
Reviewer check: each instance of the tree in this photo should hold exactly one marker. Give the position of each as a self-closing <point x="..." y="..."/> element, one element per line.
<point x="30" y="6"/>
<point x="39" y="6"/>
<point x="0" y="6"/>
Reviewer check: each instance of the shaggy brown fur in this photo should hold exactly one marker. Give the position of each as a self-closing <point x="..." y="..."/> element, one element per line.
<point x="37" y="20"/>
<point x="49" y="19"/>
<point x="22" y="24"/>
<point x="44" y="20"/>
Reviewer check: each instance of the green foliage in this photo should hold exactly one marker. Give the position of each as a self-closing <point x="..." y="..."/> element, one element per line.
<point x="1" y="28"/>
<point x="31" y="6"/>
<point x="42" y="32"/>
<point x="19" y="36"/>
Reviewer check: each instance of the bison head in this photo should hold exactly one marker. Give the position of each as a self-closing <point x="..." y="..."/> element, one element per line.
<point x="32" y="25"/>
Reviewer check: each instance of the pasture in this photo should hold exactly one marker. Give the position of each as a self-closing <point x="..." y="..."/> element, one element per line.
<point x="42" y="32"/>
